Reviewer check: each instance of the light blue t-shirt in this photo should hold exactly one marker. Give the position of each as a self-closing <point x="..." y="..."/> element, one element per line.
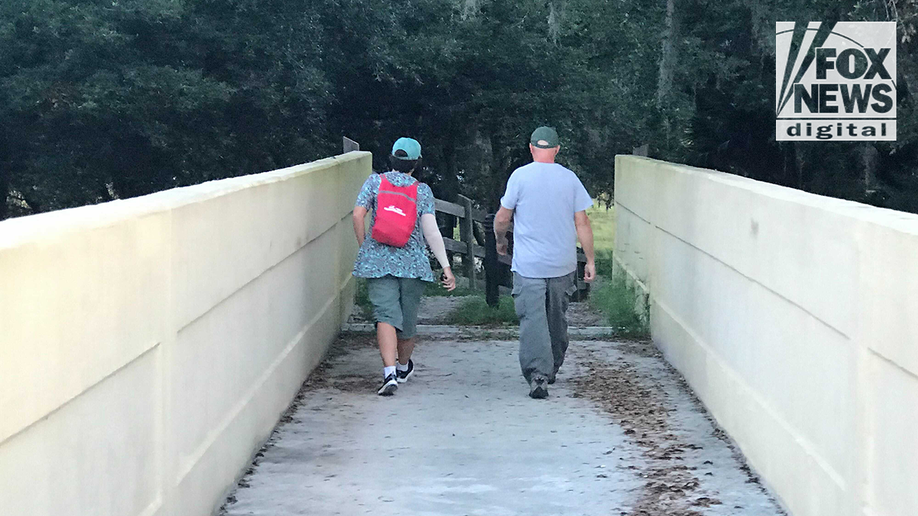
<point x="544" y="197"/>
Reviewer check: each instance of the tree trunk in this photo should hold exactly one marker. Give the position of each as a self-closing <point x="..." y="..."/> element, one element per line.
<point x="670" y="54"/>
<point x="554" y="21"/>
<point x="870" y="157"/>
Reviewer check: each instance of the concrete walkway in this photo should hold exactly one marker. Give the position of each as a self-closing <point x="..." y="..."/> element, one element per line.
<point x="619" y="435"/>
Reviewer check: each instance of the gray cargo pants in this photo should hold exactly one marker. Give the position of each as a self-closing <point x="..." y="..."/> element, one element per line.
<point x="541" y="304"/>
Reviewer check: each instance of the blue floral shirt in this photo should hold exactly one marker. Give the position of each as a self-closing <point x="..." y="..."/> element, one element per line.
<point x="375" y="260"/>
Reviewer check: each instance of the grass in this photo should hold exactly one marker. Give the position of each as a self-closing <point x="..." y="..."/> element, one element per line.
<point x="603" y="222"/>
<point x="623" y="304"/>
<point x="475" y="311"/>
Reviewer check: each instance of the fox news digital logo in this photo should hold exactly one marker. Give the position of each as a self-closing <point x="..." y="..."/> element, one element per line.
<point x="835" y="81"/>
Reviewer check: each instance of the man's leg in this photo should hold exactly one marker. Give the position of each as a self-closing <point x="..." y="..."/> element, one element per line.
<point x="535" y="344"/>
<point x="556" y="303"/>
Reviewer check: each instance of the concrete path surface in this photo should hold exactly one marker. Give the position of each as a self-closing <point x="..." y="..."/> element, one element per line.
<point x="620" y="435"/>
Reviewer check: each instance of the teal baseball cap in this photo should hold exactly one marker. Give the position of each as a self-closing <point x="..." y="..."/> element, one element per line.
<point x="409" y="146"/>
<point x="544" y="138"/>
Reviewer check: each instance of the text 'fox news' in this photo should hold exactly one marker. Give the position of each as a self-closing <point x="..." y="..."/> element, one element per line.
<point x="835" y="81"/>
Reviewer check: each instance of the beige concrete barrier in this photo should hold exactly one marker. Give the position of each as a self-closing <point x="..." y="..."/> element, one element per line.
<point x="794" y="317"/>
<point x="148" y="346"/>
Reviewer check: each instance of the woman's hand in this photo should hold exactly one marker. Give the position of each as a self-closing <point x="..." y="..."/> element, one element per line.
<point x="448" y="281"/>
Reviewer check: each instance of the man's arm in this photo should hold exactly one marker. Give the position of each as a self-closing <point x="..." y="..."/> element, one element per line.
<point x="501" y="226"/>
<point x="358" y="217"/>
<point x="585" y="235"/>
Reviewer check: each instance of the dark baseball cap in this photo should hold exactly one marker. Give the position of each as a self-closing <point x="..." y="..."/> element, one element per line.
<point x="544" y="138"/>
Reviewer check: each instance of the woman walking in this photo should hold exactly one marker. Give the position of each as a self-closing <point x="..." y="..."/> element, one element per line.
<point x="392" y="257"/>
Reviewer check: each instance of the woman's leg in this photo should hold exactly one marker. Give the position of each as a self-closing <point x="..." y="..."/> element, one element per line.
<point x="411" y="290"/>
<point x="405" y="348"/>
<point x="385" y="337"/>
<point x="384" y="295"/>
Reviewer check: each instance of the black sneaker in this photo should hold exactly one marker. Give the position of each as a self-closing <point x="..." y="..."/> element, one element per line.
<point x="389" y="386"/>
<point x="538" y="388"/>
<point x="403" y="376"/>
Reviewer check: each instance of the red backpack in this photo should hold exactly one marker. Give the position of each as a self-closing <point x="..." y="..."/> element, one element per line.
<point x="396" y="213"/>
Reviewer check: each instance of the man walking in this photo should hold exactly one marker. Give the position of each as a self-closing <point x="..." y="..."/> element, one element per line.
<point x="547" y="203"/>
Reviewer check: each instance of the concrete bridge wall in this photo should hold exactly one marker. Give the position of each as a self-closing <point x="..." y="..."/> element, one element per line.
<point x="794" y="317"/>
<point x="148" y="346"/>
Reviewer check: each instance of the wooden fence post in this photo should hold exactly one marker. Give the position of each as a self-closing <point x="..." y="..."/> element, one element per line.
<point x="491" y="264"/>
<point x="467" y="235"/>
<point x="349" y="145"/>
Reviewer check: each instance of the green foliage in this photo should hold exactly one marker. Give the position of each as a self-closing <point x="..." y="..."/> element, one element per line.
<point x="475" y="311"/>
<point x="622" y="304"/>
<point x="104" y="100"/>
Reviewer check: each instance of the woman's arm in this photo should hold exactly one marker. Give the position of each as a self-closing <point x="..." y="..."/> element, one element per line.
<point x="435" y="242"/>
<point x="358" y="217"/>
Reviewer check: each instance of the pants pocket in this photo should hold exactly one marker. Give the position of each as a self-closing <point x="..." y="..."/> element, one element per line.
<point x="572" y="289"/>
<point x="517" y="286"/>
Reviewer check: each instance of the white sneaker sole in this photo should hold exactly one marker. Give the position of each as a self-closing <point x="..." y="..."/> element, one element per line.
<point x="388" y="389"/>
<point x="405" y="379"/>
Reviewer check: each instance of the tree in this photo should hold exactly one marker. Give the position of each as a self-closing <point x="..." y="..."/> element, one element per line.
<point x="103" y="101"/>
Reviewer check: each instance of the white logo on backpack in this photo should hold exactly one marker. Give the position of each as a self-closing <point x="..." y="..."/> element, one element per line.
<point x="395" y="210"/>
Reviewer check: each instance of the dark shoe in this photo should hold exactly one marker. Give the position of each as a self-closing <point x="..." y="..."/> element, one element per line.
<point x="389" y="386"/>
<point x="403" y="376"/>
<point x="551" y="379"/>
<point x="538" y="388"/>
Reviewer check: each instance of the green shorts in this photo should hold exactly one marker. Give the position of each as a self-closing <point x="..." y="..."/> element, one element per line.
<point x="395" y="301"/>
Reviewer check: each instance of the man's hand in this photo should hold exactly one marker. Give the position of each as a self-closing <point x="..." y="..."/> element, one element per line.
<point x="501" y="226"/>
<point x="589" y="272"/>
<point x="502" y="247"/>
<point x="449" y="281"/>
<point x="585" y="235"/>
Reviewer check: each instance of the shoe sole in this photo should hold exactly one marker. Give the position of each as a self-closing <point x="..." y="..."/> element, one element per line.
<point x="404" y="379"/>
<point x="388" y="389"/>
<point x="538" y="393"/>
